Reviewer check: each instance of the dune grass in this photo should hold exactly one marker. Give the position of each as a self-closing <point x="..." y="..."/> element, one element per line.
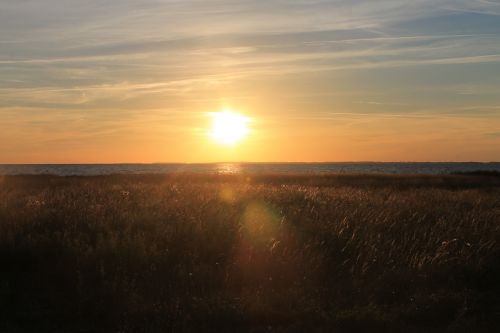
<point x="158" y="253"/>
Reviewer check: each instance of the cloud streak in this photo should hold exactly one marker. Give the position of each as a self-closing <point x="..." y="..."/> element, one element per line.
<point x="122" y="61"/>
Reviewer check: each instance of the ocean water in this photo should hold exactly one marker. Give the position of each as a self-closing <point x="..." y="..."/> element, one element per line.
<point x="233" y="168"/>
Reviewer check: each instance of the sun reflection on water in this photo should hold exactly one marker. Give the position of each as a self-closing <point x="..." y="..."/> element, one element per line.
<point x="228" y="168"/>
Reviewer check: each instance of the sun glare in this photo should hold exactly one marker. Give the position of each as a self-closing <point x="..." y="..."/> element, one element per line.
<point x="229" y="127"/>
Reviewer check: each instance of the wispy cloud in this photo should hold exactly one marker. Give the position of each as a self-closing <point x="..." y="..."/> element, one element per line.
<point x="124" y="60"/>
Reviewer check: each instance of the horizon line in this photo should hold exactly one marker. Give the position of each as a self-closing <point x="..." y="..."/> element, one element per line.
<point x="249" y="162"/>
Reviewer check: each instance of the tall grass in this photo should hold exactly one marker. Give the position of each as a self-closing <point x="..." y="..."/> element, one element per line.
<point x="156" y="253"/>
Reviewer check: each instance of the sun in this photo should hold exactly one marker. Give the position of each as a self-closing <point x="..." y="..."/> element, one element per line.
<point x="229" y="127"/>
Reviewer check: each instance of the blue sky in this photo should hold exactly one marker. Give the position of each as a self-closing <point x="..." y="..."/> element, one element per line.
<point x="324" y="80"/>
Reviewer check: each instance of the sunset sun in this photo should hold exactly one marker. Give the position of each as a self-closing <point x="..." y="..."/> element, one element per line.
<point x="228" y="127"/>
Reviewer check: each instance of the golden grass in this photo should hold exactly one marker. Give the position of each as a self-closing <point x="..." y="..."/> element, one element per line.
<point x="158" y="253"/>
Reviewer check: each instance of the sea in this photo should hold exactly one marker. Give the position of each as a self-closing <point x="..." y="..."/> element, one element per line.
<point x="431" y="168"/>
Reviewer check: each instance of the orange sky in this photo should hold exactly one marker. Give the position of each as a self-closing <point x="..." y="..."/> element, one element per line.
<point x="121" y="81"/>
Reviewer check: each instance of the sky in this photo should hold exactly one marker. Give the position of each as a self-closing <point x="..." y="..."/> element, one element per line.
<point x="87" y="81"/>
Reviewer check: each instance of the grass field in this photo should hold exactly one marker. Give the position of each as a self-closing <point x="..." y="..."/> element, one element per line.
<point x="157" y="253"/>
